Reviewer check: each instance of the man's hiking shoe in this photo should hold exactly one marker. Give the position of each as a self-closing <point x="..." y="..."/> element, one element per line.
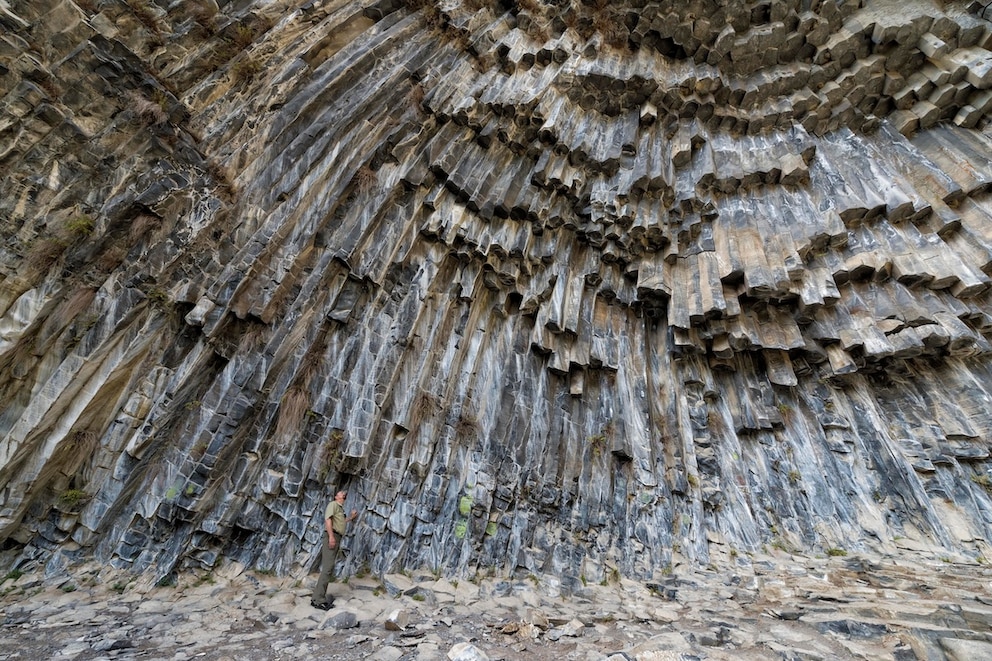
<point x="322" y="605"/>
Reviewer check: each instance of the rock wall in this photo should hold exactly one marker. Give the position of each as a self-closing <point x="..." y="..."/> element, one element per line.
<point x="575" y="287"/>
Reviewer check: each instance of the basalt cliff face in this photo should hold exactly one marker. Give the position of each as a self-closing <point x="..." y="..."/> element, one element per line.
<point x="579" y="288"/>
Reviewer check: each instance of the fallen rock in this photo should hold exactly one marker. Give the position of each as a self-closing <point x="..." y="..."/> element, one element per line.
<point x="466" y="652"/>
<point x="397" y="620"/>
<point x="342" y="620"/>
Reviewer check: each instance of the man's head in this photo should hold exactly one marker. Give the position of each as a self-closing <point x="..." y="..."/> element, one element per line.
<point x="340" y="496"/>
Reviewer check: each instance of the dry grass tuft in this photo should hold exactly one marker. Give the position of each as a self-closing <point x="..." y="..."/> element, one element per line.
<point x="84" y="443"/>
<point x="151" y="112"/>
<point x="218" y="173"/>
<point x="111" y="258"/>
<point x="294" y="406"/>
<point x="248" y="32"/>
<point x="244" y="36"/>
<point x="432" y="16"/>
<point x="245" y="69"/>
<point x="457" y="38"/>
<point x="73" y="305"/>
<point x="330" y="455"/>
<point x="43" y="254"/>
<point x="48" y="84"/>
<point x="255" y="336"/>
<point x="142" y="225"/>
<point x="610" y="24"/>
<point x="415" y="97"/>
<point x="365" y="178"/>
<point x="200" y="11"/>
<point x="144" y="13"/>
<point x="309" y="372"/>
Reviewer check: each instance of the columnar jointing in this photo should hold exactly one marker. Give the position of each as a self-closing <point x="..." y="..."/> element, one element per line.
<point x="572" y="287"/>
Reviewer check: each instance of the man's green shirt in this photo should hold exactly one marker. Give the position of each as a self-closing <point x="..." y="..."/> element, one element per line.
<point x="336" y="514"/>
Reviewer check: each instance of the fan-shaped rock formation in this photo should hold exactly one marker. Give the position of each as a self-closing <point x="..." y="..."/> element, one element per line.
<point x="578" y="287"/>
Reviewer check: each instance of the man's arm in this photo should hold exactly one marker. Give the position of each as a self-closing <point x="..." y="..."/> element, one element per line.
<point x="329" y="527"/>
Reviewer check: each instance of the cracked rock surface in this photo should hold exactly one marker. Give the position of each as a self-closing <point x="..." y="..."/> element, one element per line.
<point x="577" y="289"/>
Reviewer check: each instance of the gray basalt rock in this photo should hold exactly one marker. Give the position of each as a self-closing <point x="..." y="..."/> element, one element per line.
<point x="343" y="620"/>
<point x="573" y="289"/>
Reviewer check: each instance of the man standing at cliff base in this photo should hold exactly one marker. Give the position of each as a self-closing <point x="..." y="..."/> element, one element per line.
<point x="335" y="524"/>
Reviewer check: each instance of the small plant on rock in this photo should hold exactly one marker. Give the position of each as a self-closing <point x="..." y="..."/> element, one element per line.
<point x="12" y="575"/>
<point x="71" y="498"/>
<point x="598" y="442"/>
<point x="244" y="35"/>
<point x="80" y="226"/>
<point x="157" y="296"/>
<point x="984" y="481"/>
<point x="205" y="579"/>
<point x="246" y="68"/>
<point x="166" y="582"/>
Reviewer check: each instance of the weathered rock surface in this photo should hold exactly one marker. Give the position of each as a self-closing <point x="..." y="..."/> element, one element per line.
<point x="581" y="289"/>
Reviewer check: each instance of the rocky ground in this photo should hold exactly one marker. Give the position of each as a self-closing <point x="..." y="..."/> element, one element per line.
<point x="762" y="607"/>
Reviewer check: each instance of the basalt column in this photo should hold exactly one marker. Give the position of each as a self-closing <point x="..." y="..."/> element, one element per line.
<point x="574" y="287"/>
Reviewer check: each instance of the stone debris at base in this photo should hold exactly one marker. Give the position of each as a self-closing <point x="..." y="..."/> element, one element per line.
<point x="775" y="606"/>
